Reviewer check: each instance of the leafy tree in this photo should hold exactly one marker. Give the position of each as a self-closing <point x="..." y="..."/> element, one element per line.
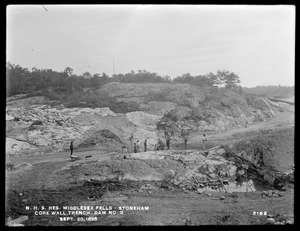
<point x="18" y="80"/>
<point x="68" y="71"/>
<point x="230" y="79"/>
<point x="167" y="79"/>
<point x="213" y="79"/>
<point x="202" y="81"/>
<point x="87" y="75"/>
<point x="96" y="81"/>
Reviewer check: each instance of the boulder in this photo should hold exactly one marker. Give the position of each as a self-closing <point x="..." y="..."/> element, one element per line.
<point x="270" y="221"/>
<point x="200" y="190"/>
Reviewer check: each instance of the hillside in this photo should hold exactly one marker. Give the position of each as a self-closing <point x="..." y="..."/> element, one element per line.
<point x="272" y="91"/>
<point x="37" y="125"/>
<point x="205" y="109"/>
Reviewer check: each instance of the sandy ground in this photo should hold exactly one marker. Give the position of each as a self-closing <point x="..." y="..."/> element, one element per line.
<point x="167" y="207"/>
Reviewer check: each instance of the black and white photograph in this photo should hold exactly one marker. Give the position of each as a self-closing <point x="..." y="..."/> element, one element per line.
<point x="149" y="115"/>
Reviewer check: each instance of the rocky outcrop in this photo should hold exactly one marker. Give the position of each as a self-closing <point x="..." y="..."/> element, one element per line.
<point x="158" y="108"/>
<point x="212" y="109"/>
<point x="180" y="94"/>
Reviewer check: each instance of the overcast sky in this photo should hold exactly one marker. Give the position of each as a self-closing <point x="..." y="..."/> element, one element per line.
<point x="255" y="42"/>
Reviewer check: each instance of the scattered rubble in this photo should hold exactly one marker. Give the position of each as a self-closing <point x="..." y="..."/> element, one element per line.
<point x="149" y="188"/>
<point x="271" y="193"/>
<point x="279" y="219"/>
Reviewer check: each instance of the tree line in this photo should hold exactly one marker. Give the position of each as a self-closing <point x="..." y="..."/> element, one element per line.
<point x="23" y="81"/>
<point x="271" y="91"/>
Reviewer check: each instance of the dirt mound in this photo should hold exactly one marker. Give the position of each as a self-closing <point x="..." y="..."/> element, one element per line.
<point x="102" y="138"/>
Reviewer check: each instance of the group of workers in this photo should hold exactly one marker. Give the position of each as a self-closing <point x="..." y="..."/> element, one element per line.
<point x="136" y="145"/>
<point x="159" y="146"/>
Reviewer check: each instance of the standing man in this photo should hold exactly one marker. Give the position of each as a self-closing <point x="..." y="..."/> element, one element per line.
<point x="185" y="135"/>
<point x="138" y="146"/>
<point x="168" y="138"/>
<point x="131" y="140"/>
<point x="185" y="140"/>
<point x="134" y="148"/>
<point x="145" y="145"/>
<point x="204" y="141"/>
<point x="71" y="147"/>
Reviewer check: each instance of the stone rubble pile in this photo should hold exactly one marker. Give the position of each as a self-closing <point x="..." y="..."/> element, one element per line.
<point x="149" y="188"/>
<point x="197" y="185"/>
<point x="188" y="170"/>
<point x="279" y="219"/>
<point x="41" y="128"/>
<point x="271" y="193"/>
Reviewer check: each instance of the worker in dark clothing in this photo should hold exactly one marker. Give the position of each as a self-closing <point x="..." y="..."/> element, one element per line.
<point x="168" y="138"/>
<point x="138" y="145"/>
<point x="204" y="141"/>
<point x="134" y="148"/>
<point x="145" y="146"/>
<point x="185" y="135"/>
<point x="71" y="147"/>
<point x="185" y="140"/>
<point x="131" y="141"/>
